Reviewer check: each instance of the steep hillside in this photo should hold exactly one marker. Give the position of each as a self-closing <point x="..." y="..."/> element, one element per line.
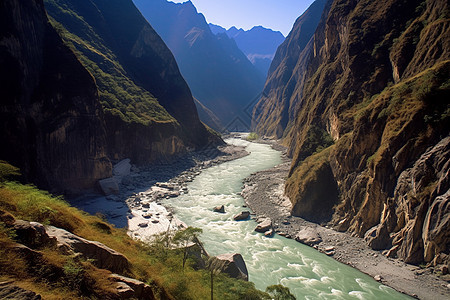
<point x="259" y="44"/>
<point x="218" y="73"/>
<point x="150" y="113"/>
<point x="370" y="139"/>
<point x="275" y="111"/>
<point x="52" y="124"/>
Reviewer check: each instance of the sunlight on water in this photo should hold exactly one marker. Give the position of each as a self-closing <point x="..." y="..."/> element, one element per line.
<point x="308" y="273"/>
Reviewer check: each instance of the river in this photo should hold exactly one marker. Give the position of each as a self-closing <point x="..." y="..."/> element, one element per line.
<point x="308" y="273"/>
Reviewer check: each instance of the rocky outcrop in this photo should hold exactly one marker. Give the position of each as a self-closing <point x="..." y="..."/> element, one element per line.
<point x="308" y="236"/>
<point x="264" y="225"/>
<point x="371" y="122"/>
<point x="231" y="264"/>
<point x="102" y="256"/>
<point x="244" y="215"/>
<point x="9" y="291"/>
<point x="51" y="116"/>
<point x="129" y="288"/>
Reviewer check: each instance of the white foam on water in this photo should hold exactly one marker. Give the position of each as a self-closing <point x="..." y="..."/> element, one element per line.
<point x="308" y="273"/>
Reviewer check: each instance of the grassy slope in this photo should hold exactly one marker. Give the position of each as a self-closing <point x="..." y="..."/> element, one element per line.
<point x="159" y="267"/>
<point x="119" y="94"/>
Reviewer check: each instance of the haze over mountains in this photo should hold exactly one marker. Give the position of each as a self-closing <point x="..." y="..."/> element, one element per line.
<point x="217" y="71"/>
<point x="259" y="44"/>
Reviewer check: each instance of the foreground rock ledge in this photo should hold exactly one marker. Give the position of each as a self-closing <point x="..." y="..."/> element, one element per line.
<point x="231" y="264"/>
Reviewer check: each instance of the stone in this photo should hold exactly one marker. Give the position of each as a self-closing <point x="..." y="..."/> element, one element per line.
<point x="231" y="264"/>
<point x="143" y="225"/>
<point x="109" y="186"/>
<point x="264" y="226"/>
<point x="103" y="257"/>
<point x="122" y="168"/>
<point x="219" y="209"/>
<point x="269" y="233"/>
<point x="139" y="288"/>
<point x="378" y="278"/>
<point x="32" y="234"/>
<point x="10" y="291"/>
<point x="242" y="216"/>
<point x="308" y="236"/>
<point x="124" y="290"/>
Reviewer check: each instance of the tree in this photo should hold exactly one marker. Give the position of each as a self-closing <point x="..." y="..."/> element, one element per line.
<point x="184" y="238"/>
<point x="280" y="292"/>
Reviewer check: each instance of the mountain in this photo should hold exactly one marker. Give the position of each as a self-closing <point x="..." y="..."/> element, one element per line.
<point x="82" y="89"/>
<point x="218" y="73"/>
<point x="368" y="123"/>
<point x="277" y="107"/>
<point x="259" y="44"/>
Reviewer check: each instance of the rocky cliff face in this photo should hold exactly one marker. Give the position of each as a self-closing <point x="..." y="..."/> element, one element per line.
<point x="52" y="123"/>
<point x="150" y="112"/>
<point x="218" y="73"/>
<point x="92" y="84"/>
<point x="275" y="111"/>
<point x="370" y="136"/>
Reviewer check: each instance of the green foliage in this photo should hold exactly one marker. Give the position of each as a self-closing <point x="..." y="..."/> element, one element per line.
<point x="316" y="141"/>
<point x="252" y="136"/>
<point x="279" y="292"/>
<point x="7" y="171"/>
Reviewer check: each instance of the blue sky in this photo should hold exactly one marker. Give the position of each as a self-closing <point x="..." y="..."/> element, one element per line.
<point x="275" y="14"/>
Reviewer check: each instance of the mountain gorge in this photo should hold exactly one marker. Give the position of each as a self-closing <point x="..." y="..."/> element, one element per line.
<point x="365" y="115"/>
<point x="259" y="44"/>
<point x="218" y="73"/>
<point x="82" y="90"/>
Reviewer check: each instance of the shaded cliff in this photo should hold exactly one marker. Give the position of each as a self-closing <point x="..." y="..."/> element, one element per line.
<point x="276" y="109"/>
<point x="369" y="138"/>
<point x="149" y="110"/>
<point x="52" y="123"/>
<point x="218" y="73"/>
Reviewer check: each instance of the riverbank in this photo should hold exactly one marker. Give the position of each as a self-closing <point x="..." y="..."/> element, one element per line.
<point x="264" y="194"/>
<point x="138" y="207"/>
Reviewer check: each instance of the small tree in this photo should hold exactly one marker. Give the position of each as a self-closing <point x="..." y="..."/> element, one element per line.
<point x="280" y="292"/>
<point x="184" y="238"/>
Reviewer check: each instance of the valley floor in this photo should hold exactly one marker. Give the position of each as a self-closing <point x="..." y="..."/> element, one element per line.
<point x="264" y="194"/>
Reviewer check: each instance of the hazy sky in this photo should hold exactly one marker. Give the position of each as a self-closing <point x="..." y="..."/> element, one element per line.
<point x="275" y="14"/>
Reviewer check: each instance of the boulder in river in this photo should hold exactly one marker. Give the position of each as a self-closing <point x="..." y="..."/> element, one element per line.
<point x="122" y="168"/>
<point x="231" y="264"/>
<point x="219" y="209"/>
<point x="264" y="226"/>
<point x="242" y="216"/>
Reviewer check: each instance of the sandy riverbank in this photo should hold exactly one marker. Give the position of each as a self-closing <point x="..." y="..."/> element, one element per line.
<point x="264" y="194"/>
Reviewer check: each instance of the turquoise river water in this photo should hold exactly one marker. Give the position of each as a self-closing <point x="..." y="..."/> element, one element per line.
<point x="308" y="273"/>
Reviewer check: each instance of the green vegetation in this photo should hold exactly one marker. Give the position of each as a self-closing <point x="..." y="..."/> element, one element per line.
<point x="7" y="171"/>
<point x="253" y="136"/>
<point x="119" y="94"/>
<point x="171" y="273"/>
<point x="279" y="292"/>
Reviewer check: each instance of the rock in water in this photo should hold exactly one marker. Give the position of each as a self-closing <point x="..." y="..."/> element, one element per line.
<point x="264" y="226"/>
<point x="219" y="209"/>
<point x="242" y="216"/>
<point x="231" y="264"/>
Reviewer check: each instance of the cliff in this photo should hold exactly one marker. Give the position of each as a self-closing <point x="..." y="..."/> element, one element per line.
<point x="369" y="137"/>
<point x="52" y="122"/>
<point x="275" y="110"/>
<point x="218" y="73"/>
<point x="149" y="110"/>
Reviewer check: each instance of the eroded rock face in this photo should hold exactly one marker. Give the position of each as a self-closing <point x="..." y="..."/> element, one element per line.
<point x="372" y="104"/>
<point x="51" y="115"/>
<point x="9" y="291"/>
<point x="132" y="288"/>
<point x="103" y="256"/>
<point x="231" y="264"/>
